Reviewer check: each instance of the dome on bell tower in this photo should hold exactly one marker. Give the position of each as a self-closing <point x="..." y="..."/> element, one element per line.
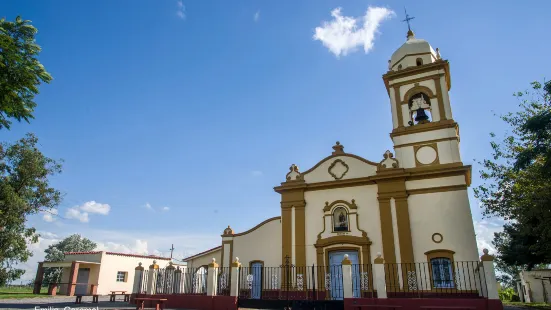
<point x="415" y="52"/>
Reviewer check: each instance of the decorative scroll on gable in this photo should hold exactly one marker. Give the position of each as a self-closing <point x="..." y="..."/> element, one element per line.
<point x="389" y="162"/>
<point x="293" y="174"/>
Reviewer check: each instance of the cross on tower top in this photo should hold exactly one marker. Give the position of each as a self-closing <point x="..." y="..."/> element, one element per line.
<point x="171" y="251"/>
<point x="407" y="19"/>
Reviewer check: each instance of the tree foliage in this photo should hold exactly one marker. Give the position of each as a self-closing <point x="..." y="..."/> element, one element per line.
<point x="517" y="183"/>
<point x="24" y="190"/>
<point x="55" y="253"/>
<point x="20" y="71"/>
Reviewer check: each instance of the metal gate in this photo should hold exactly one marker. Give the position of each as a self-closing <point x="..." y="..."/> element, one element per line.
<point x="290" y="287"/>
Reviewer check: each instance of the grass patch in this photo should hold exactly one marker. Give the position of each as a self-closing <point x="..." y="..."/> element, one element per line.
<point x="534" y="305"/>
<point x="17" y="292"/>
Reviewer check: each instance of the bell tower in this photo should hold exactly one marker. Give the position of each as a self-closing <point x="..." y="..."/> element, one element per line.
<point x="418" y="81"/>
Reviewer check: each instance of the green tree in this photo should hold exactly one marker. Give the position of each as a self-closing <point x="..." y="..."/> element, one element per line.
<point x="20" y="71"/>
<point x="24" y="190"/>
<point x="55" y="253"/>
<point x="517" y="183"/>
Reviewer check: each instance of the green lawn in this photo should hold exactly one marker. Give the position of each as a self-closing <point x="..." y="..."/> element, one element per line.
<point x="536" y="305"/>
<point x="20" y="292"/>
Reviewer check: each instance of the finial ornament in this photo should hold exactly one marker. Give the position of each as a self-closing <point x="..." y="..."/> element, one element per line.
<point x="379" y="259"/>
<point x="389" y="66"/>
<point x="228" y="231"/>
<point x="486" y="257"/>
<point x="438" y="54"/>
<point x="293" y="174"/>
<point x="338" y="149"/>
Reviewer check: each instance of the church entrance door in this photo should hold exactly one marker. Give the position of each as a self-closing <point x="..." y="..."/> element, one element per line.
<point x="256" y="271"/>
<point x="335" y="265"/>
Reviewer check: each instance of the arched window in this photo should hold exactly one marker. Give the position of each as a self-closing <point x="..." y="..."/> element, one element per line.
<point x="399" y="67"/>
<point x="419" y="61"/>
<point x="340" y="219"/>
<point x="442" y="272"/>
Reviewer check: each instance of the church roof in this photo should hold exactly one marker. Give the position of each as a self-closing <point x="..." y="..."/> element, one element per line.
<point x="413" y="46"/>
<point x="119" y="254"/>
<point x="202" y="253"/>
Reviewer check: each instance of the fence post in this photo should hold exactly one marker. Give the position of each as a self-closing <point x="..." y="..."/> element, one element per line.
<point x="152" y="278"/>
<point x="177" y="281"/>
<point x="138" y="278"/>
<point x="346" y="277"/>
<point x="212" y="280"/>
<point x="234" y="281"/>
<point x="38" y="279"/>
<point x="489" y="274"/>
<point x="379" y="276"/>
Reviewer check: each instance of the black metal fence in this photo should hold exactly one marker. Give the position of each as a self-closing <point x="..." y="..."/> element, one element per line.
<point x="176" y="281"/>
<point x="362" y="281"/>
<point x="439" y="278"/>
<point x="291" y="282"/>
<point x="223" y="281"/>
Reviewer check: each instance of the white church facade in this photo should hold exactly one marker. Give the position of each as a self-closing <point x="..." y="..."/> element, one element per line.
<point x="411" y="205"/>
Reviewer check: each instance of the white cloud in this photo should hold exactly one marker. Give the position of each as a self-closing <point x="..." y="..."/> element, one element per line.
<point x="256" y="16"/>
<point x="74" y="213"/>
<point x="148" y="206"/>
<point x="342" y="35"/>
<point x="484" y="230"/>
<point x="166" y="209"/>
<point x="96" y="207"/>
<point x="38" y="248"/>
<point x="49" y="215"/>
<point x="181" y="12"/>
<point x="256" y="173"/>
<point x="47" y="235"/>
<point x="138" y="247"/>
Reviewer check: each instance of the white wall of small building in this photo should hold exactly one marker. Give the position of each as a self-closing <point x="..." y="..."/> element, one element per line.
<point x="112" y="264"/>
<point x="533" y="288"/>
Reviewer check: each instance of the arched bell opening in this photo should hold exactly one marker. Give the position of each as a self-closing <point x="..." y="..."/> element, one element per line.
<point x="419" y="109"/>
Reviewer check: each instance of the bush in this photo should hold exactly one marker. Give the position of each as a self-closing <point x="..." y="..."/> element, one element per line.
<point x="507" y="294"/>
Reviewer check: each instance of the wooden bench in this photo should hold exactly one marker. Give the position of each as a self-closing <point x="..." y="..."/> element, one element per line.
<point x="79" y="299"/>
<point x="159" y="302"/>
<point x="115" y="293"/>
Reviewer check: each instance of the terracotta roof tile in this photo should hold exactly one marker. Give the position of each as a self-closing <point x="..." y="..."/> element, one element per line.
<point x="120" y="254"/>
<point x="204" y="252"/>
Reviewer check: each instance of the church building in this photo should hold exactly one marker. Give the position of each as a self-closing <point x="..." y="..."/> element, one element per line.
<point x="410" y="205"/>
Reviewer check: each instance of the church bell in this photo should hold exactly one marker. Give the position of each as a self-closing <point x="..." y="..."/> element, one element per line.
<point x="421" y="116"/>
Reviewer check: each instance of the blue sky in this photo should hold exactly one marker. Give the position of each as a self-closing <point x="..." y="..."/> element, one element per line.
<point x="197" y="108"/>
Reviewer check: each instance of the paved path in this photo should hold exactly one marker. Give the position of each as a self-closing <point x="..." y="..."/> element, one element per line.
<point x="64" y="303"/>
